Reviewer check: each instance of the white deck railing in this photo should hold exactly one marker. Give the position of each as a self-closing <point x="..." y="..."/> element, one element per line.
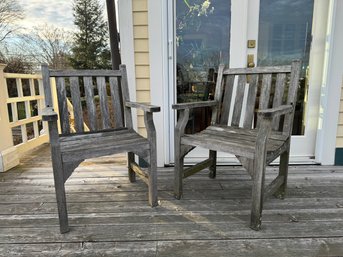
<point x="21" y="125"/>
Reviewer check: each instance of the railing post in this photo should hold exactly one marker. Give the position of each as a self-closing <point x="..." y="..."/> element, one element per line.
<point x="8" y="153"/>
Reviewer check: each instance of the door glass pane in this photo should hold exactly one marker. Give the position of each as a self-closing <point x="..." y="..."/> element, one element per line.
<point x="284" y="35"/>
<point x="202" y="43"/>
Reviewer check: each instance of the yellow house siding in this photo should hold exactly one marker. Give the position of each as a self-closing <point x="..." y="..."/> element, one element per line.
<point x="339" y="139"/>
<point x="141" y="49"/>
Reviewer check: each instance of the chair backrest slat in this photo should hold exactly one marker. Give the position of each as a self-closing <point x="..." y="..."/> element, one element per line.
<point x="237" y="110"/>
<point x="105" y="117"/>
<point x="126" y="97"/>
<point x="62" y="105"/>
<point x="265" y="91"/>
<point x="224" y="118"/>
<point x="91" y="110"/>
<point x="76" y="101"/>
<point x="251" y="99"/>
<point x="292" y="94"/>
<point x="218" y="94"/>
<point x="278" y="96"/>
<point x="116" y="102"/>
<point x="97" y="97"/>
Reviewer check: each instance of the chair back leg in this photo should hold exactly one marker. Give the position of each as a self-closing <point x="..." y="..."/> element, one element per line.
<point x="132" y="174"/>
<point x="283" y="171"/>
<point x="213" y="166"/>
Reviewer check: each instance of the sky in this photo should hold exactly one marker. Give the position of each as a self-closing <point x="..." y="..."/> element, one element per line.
<point x="54" y="12"/>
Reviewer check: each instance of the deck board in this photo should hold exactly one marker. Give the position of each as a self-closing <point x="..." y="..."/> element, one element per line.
<point x="110" y="217"/>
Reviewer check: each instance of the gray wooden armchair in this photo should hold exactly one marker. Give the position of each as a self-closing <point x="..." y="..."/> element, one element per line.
<point x="256" y="137"/>
<point x="106" y="93"/>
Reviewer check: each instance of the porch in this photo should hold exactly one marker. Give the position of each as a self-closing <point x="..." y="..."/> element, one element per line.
<point x="110" y="217"/>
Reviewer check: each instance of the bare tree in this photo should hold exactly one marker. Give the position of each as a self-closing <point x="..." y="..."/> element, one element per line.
<point x="10" y="11"/>
<point x="49" y="44"/>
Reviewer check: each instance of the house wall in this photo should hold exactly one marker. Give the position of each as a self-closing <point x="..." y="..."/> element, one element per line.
<point x="141" y="50"/>
<point x="339" y="138"/>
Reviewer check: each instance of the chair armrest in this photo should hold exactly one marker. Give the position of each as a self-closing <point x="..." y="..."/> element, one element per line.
<point x="48" y="114"/>
<point x="143" y="106"/>
<point x="272" y="112"/>
<point x="193" y="105"/>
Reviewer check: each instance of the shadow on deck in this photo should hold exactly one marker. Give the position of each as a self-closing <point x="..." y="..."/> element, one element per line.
<point x="109" y="216"/>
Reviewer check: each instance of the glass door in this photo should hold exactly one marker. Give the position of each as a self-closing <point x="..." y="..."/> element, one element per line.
<point x="202" y="29"/>
<point x="206" y="33"/>
<point x="284" y="34"/>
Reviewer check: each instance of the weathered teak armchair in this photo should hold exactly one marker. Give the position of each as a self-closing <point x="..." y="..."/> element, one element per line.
<point x="256" y="137"/>
<point x="105" y="93"/>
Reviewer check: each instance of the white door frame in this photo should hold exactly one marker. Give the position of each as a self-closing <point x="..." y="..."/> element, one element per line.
<point x="158" y="17"/>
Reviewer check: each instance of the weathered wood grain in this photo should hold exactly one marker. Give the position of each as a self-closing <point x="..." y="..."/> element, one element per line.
<point x="237" y="110"/>
<point x="76" y="101"/>
<point x="62" y="105"/>
<point x="116" y="103"/>
<point x="105" y="116"/>
<point x="89" y="92"/>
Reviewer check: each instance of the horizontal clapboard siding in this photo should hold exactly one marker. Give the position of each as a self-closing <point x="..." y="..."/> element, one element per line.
<point x="141" y="50"/>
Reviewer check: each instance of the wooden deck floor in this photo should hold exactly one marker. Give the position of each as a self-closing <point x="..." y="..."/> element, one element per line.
<point x="110" y="217"/>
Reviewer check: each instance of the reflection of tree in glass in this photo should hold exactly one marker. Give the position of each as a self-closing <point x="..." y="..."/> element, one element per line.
<point x="190" y="17"/>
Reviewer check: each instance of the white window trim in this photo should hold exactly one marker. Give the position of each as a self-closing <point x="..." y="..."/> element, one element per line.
<point x="127" y="50"/>
<point x="157" y="11"/>
<point x="331" y="87"/>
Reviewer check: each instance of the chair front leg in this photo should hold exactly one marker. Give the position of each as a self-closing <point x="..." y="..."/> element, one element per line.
<point x="259" y="166"/>
<point x="58" y="171"/>
<point x="152" y="180"/>
<point x="257" y="192"/>
<point x="178" y="170"/>
<point x="178" y="155"/>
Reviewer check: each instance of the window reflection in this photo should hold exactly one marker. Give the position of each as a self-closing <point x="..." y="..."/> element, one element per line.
<point x="202" y="43"/>
<point x="284" y="35"/>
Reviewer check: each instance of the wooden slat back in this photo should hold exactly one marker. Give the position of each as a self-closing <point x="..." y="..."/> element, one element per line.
<point x="89" y="93"/>
<point x="63" y="105"/>
<point x="104" y="93"/>
<point x="116" y="102"/>
<point x="266" y="89"/>
<point x="278" y="96"/>
<point x="251" y="99"/>
<point x="105" y="116"/>
<point x="224" y="117"/>
<point x="76" y="101"/>
<point x="126" y="96"/>
<point x="292" y="96"/>
<point x="237" y="109"/>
